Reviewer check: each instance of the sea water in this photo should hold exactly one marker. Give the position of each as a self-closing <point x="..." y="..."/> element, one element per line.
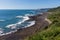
<point x="11" y="20"/>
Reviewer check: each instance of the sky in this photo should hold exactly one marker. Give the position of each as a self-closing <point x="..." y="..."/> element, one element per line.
<point x="28" y="4"/>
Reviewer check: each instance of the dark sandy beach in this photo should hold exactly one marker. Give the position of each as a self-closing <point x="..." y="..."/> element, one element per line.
<point x="41" y="23"/>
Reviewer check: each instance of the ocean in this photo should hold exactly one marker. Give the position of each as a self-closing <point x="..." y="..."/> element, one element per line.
<point x="11" y="20"/>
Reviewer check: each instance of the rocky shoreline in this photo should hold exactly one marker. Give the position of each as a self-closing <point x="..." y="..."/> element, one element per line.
<point x="22" y="33"/>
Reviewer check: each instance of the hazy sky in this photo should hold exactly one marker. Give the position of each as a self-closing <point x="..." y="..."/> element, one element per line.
<point x="28" y="4"/>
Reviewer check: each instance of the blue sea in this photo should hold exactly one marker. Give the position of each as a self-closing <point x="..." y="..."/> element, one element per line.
<point x="11" y="20"/>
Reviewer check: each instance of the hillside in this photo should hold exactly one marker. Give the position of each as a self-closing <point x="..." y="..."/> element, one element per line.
<point x="52" y="32"/>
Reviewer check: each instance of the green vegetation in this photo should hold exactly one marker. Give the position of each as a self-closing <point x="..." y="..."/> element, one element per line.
<point x="53" y="30"/>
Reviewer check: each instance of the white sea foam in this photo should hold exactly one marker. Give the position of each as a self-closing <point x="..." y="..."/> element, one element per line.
<point x="29" y="14"/>
<point x="19" y="16"/>
<point x="1" y="34"/>
<point x="31" y="24"/>
<point x="25" y="18"/>
<point x="14" y="26"/>
<point x="10" y="32"/>
<point x="11" y="26"/>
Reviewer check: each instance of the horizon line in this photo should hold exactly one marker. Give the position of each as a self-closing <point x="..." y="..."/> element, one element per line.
<point x="24" y="8"/>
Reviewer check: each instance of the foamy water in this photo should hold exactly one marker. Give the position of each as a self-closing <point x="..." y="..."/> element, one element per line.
<point x="14" y="26"/>
<point x="31" y="24"/>
<point x="11" y="20"/>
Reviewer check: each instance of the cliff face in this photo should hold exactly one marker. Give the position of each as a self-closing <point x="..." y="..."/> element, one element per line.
<point x="22" y="33"/>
